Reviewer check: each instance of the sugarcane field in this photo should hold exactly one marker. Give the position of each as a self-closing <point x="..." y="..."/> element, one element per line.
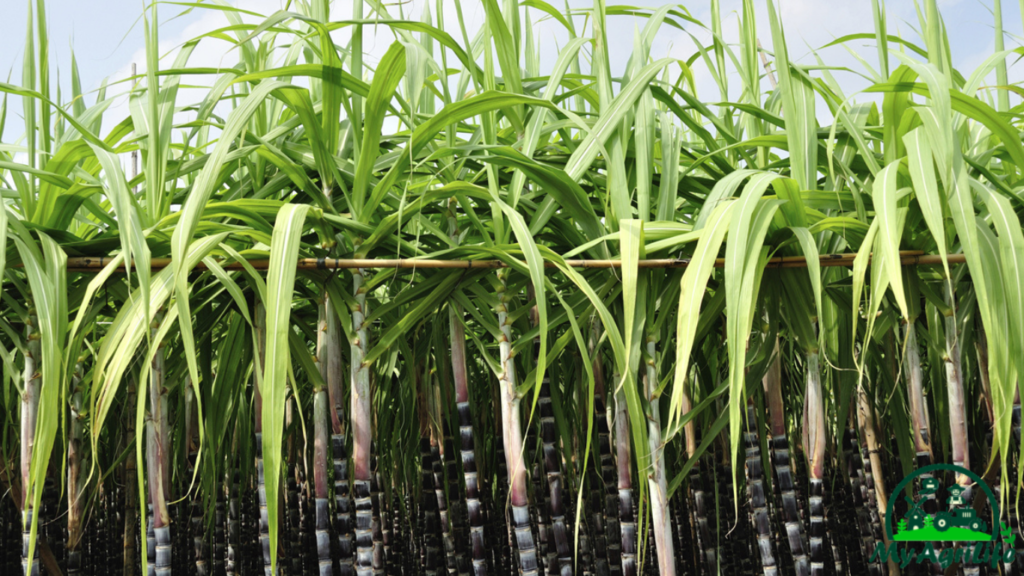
<point x="511" y="288"/>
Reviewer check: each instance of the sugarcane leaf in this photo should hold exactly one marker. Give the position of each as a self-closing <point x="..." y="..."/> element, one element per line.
<point x="884" y="195"/>
<point x="284" y="254"/>
<point x="691" y="293"/>
<point x="385" y="80"/>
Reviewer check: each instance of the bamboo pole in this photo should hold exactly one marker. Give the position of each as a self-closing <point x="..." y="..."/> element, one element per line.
<point x="93" y="264"/>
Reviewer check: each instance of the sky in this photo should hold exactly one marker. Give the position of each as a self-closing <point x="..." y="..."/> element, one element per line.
<point x="107" y="37"/>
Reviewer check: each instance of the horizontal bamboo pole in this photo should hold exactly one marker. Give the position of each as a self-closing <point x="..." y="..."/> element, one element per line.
<point x="94" y="264"/>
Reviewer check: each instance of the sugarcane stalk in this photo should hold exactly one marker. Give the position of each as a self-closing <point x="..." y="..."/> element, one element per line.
<point x="437" y="474"/>
<point x="376" y="527"/>
<point x="858" y="491"/>
<point x="657" y="479"/>
<point x="157" y="469"/>
<point x="555" y="539"/>
<point x="540" y="518"/>
<point x="324" y="345"/>
<point x="330" y="358"/>
<point x="362" y="422"/>
<point x="604" y="537"/>
<point x="513" y="436"/>
<point x="219" y="525"/>
<point x="130" y="526"/>
<point x="431" y="551"/>
<point x="706" y="548"/>
<point x="231" y="486"/>
<point x="196" y="519"/>
<point x="781" y="465"/>
<point x="323" y="528"/>
<point x="955" y="389"/>
<point x="919" y="417"/>
<point x="261" y="343"/>
<point x="814" y="426"/>
<point x="295" y="475"/>
<point x="915" y="392"/>
<point x="874" y="479"/>
<point x="958" y="438"/>
<point x="75" y="489"/>
<point x="29" y="413"/>
<point x="623" y="461"/>
<point x="460" y="380"/>
<point x="756" y="492"/>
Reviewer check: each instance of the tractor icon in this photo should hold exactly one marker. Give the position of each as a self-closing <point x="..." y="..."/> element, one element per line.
<point x="964" y="517"/>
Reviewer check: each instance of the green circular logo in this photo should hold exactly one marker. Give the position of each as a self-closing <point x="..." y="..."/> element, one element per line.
<point x="959" y="523"/>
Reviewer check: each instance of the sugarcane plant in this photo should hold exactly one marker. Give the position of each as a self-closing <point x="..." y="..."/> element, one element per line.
<point x="400" y="289"/>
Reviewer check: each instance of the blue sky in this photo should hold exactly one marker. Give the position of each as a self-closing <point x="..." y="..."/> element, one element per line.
<point x="107" y="35"/>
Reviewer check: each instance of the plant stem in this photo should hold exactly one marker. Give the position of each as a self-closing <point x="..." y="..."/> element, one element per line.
<point x="513" y="436"/>
<point x="657" y="479"/>
<point x="29" y="412"/>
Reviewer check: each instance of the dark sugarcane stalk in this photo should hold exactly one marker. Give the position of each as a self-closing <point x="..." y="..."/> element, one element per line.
<point x="512" y="434"/>
<point x="600" y="539"/>
<point x="330" y="357"/>
<point x="834" y="506"/>
<point x="467" y="453"/>
<point x="75" y="490"/>
<point x="540" y="518"/>
<point x="556" y="494"/>
<point x="553" y="530"/>
<point x="814" y="447"/>
<point x="387" y="514"/>
<point x="684" y="537"/>
<point x="733" y="556"/>
<point x="379" y="560"/>
<point x="112" y="522"/>
<point x="323" y="527"/>
<point x="613" y="535"/>
<point x="596" y="480"/>
<point x="460" y="378"/>
<point x="623" y="461"/>
<point x="874" y="479"/>
<point x="157" y="453"/>
<point x="29" y="412"/>
<point x="196" y="524"/>
<point x="781" y="466"/>
<point x="456" y="515"/>
<point x="320" y="423"/>
<point x="131" y="504"/>
<point x="291" y="501"/>
<point x="362" y="423"/>
<point x="231" y="486"/>
<point x="613" y="538"/>
<point x="706" y="541"/>
<point x="657" y="478"/>
<point x="264" y="523"/>
<point x="219" y="525"/>
<point x="437" y="476"/>
<point x="307" y="528"/>
<point x="431" y="550"/>
<point x="759" y="516"/>
<point x="394" y="561"/>
<point x="504" y="557"/>
<point x="858" y="490"/>
<point x="100" y="529"/>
